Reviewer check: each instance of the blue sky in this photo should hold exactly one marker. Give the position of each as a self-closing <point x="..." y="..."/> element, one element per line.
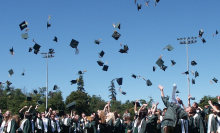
<point x="146" y="32"/>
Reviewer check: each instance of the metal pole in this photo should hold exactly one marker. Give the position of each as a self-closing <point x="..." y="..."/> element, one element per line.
<point x="187" y="64"/>
<point x="47" y="82"/>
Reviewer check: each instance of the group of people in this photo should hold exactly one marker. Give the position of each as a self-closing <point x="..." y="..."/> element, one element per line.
<point x="174" y="118"/>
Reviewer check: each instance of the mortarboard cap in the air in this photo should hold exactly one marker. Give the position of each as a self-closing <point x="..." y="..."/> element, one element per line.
<point x="74" y="43"/>
<point x="137" y="104"/>
<point x="193" y="63"/>
<point x="196" y="74"/>
<point x="134" y="76"/>
<point x="8" y="93"/>
<point x="23" y="74"/>
<point x="55" y="39"/>
<point x="29" y="98"/>
<point x="10" y="72"/>
<point x="118" y="25"/>
<point x="24" y="36"/>
<point x="23" y="25"/>
<point x="193" y="81"/>
<point x="203" y="40"/>
<point x="201" y="33"/>
<point x="164" y="68"/>
<point x="73" y="82"/>
<point x="216" y="32"/>
<point x="160" y="62"/>
<point x="36" y="48"/>
<point x="173" y="62"/>
<point x="149" y="83"/>
<point x="154" y="68"/>
<point x="30" y="49"/>
<point x="192" y="98"/>
<point x="35" y="91"/>
<point x="177" y="91"/>
<point x="55" y="87"/>
<point x="48" y="25"/>
<point x="186" y="72"/>
<point x="11" y="50"/>
<point x="157" y="1"/>
<point x="139" y="6"/>
<point x="169" y="47"/>
<point x="124" y="93"/>
<point x="105" y="68"/>
<point x="122" y="51"/>
<point x="39" y="102"/>
<point x="71" y="105"/>
<point x="215" y="80"/>
<point x="97" y="41"/>
<point x="100" y="63"/>
<point x="119" y="81"/>
<point x="101" y="54"/>
<point x="116" y="35"/>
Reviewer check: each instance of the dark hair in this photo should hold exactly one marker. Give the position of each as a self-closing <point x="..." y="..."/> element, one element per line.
<point x="116" y="114"/>
<point x="193" y="110"/>
<point x="128" y="118"/>
<point x="196" y="104"/>
<point x="28" y="116"/>
<point x="141" y="115"/>
<point x="127" y="110"/>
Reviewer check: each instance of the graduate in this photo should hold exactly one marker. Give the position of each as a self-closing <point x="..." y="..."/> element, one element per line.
<point x="91" y="126"/>
<point x="26" y="125"/>
<point x="66" y="123"/>
<point x="127" y="125"/>
<point x="214" y="119"/>
<point x="54" y="126"/>
<point x="102" y="122"/>
<point x="117" y="124"/>
<point x="6" y="123"/>
<point x="38" y="123"/>
<point x="74" y="124"/>
<point x="45" y="122"/>
<point x="110" y="120"/>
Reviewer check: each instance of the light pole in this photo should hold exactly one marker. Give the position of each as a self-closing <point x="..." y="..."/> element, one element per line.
<point x="189" y="40"/>
<point x="47" y="55"/>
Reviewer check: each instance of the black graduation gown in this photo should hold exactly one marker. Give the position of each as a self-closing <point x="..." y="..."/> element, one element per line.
<point x="109" y="126"/>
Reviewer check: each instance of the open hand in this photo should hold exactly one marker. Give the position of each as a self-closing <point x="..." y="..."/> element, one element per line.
<point x="160" y="87"/>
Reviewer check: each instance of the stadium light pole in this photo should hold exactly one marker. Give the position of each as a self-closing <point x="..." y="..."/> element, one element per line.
<point x="189" y="40"/>
<point x="48" y="55"/>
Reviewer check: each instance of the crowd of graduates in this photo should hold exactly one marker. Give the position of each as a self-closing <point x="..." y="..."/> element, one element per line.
<point x="174" y="118"/>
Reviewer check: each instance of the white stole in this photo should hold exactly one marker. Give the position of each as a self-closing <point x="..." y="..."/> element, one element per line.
<point x="3" y="125"/>
<point x="38" y="125"/>
<point x="22" y="124"/>
<point x="210" y="122"/>
<point x="139" y="127"/>
<point x="45" y="122"/>
<point x="65" y="121"/>
<point x="184" y="130"/>
<point x="58" y="127"/>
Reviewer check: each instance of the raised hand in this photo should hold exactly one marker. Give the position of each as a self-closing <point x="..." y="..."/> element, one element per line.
<point x="210" y="102"/>
<point x="189" y="97"/>
<point x="160" y="87"/>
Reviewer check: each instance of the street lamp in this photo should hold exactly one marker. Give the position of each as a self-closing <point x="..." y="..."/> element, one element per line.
<point x="48" y="55"/>
<point x="189" y="40"/>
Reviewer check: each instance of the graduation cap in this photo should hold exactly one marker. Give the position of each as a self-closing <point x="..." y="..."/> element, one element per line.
<point x="105" y="68"/>
<point x="119" y="81"/>
<point x="164" y="68"/>
<point x="124" y="93"/>
<point x="154" y="68"/>
<point x="193" y="81"/>
<point x="35" y="91"/>
<point x="100" y="63"/>
<point x="215" y="80"/>
<point x="160" y="62"/>
<point x="48" y="25"/>
<point x="149" y="83"/>
<point x="24" y="36"/>
<point x="137" y="104"/>
<point x="73" y="81"/>
<point x="29" y="98"/>
<point x="139" y="6"/>
<point x="186" y="72"/>
<point x="134" y="76"/>
<point x="39" y="102"/>
<point x="23" y="25"/>
<point x="36" y="48"/>
<point x="55" y="87"/>
<point x="173" y="62"/>
<point x="216" y="32"/>
<point x="10" y="72"/>
<point x="116" y="35"/>
<point x="55" y="39"/>
<point x="169" y="47"/>
<point x="11" y="51"/>
<point x="193" y="98"/>
<point x="201" y="33"/>
<point x="71" y="105"/>
<point x="51" y="51"/>
<point x="196" y="74"/>
<point x="8" y="93"/>
<point x="177" y="91"/>
<point x="118" y="25"/>
<point x="101" y="54"/>
<point x="74" y="44"/>
<point x="23" y="73"/>
<point x="193" y="63"/>
<point x="30" y="49"/>
<point x="156" y="1"/>
<point x="203" y="40"/>
<point x="97" y="41"/>
<point x="124" y="50"/>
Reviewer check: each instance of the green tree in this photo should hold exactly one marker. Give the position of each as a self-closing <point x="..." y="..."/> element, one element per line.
<point x="56" y="102"/>
<point x="80" y="84"/>
<point x="112" y="90"/>
<point x="81" y="99"/>
<point x="204" y="101"/>
<point x="96" y="103"/>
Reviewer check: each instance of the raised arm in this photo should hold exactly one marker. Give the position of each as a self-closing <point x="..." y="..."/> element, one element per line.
<point x="29" y="108"/>
<point x="189" y="105"/>
<point x="135" y="106"/>
<point x="109" y="109"/>
<point x="155" y="108"/>
<point x="210" y="103"/>
<point x="161" y="90"/>
<point x="22" y="109"/>
<point x="181" y="102"/>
